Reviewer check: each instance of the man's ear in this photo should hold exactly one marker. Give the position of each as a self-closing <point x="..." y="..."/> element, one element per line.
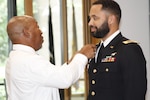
<point x="26" y="33"/>
<point x="111" y="19"/>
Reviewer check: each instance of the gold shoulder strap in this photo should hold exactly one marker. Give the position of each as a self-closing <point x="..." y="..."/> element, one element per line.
<point x="129" y="41"/>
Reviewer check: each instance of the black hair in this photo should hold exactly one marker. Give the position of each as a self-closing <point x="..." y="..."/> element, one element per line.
<point x="110" y="6"/>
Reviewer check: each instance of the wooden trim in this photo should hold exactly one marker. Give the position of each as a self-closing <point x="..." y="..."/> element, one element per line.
<point x="28" y="8"/>
<point x="87" y="39"/>
<point x="67" y="92"/>
<point x="86" y="31"/>
<point x="65" y="32"/>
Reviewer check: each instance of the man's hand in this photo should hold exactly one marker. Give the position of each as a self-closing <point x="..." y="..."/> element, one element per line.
<point x="88" y="50"/>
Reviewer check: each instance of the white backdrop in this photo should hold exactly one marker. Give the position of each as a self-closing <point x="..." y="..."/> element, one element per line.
<point x="135" y="25"/>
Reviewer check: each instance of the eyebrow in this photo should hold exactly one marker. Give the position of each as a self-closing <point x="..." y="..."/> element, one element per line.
<point x="92" y="16"/>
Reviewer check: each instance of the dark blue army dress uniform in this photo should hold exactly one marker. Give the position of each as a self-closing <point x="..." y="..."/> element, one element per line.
<point x="120" y="72"/>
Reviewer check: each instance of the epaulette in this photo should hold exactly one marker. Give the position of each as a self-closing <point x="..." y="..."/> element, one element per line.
<point x="129" y="41"/>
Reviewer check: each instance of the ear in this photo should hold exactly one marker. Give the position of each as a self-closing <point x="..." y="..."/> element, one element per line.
<point x="111" y="19"/>
<point x="26" y="33"/>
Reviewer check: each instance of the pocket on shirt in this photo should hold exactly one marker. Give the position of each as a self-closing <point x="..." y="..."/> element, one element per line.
<point x="106" y="74"/>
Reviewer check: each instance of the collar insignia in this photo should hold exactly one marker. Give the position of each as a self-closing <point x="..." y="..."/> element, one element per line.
<point x="111" y="46"/>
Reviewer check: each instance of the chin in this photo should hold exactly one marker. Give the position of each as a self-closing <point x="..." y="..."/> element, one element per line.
<point x="38" y="48"/>
<point x="95" y="35"/>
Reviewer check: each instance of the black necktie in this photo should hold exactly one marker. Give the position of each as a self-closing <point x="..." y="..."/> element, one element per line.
<point x="100" y="53"/>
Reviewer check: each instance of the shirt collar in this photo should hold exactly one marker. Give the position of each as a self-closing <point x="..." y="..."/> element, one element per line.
<point x="108" y="40"/>
<point x="23" y="48"/>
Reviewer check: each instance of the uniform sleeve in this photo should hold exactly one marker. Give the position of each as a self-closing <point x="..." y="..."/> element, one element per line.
<point x="134" y="72"/>
<point x="47" y="74"/>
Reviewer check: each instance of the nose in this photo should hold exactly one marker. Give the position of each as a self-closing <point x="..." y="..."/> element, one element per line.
<point x="90" y="23"/>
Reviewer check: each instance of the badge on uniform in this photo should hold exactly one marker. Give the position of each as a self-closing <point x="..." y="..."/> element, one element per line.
<point x="110" y="58"/>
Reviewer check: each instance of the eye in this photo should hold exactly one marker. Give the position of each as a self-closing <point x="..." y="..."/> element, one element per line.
<point x="95" y="18"/>
<point x="88" y="19"/>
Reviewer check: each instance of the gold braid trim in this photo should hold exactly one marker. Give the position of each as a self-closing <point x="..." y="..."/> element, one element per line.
<point x="130" y="41"/>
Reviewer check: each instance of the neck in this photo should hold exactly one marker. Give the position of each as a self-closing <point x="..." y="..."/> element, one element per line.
<point x="110" y="33"/>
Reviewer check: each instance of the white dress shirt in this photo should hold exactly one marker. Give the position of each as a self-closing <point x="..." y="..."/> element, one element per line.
<point x="31" y="77"/>
<point x="106" y="42"/>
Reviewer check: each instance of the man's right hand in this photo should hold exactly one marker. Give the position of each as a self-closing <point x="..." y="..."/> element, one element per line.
<point x="88" y="50"/>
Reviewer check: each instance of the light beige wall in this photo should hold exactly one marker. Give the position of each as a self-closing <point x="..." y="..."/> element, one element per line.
<point x="135" y="25"/>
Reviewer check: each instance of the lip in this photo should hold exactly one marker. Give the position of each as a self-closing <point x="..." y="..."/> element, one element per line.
<point x="93" y="29"/>
<point x="42" y="39"/>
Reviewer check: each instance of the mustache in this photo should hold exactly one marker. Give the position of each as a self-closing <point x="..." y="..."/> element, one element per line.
<point x="93" y="27"/>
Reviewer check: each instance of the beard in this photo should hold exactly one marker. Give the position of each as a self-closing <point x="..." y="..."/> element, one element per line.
<point x="101" y="31"/>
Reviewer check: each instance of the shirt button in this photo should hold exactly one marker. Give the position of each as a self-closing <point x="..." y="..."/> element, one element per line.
<point x="93" y="81"/>
<point x="92" y="93"/>
<point x="107" y="69"/>
<point x="94" y="70"/>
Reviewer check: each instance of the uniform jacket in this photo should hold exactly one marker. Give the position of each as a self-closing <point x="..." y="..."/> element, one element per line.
<point x="120" y="74"/>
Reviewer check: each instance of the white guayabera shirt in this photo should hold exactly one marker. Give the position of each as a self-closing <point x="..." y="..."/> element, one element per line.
<point x="31" y="77"/>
